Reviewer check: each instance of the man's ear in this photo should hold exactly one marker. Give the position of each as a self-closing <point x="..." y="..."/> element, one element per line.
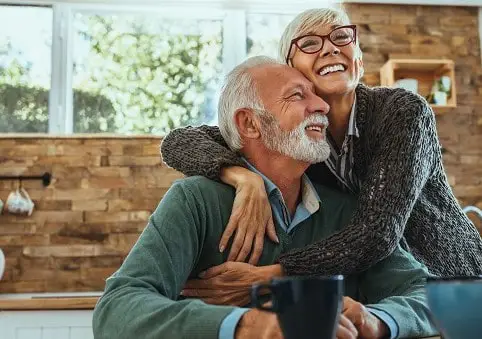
<point x="247" y="123"/>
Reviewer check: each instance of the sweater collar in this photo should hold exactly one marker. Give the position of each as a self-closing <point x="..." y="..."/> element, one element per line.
<point x="362" y="105"/>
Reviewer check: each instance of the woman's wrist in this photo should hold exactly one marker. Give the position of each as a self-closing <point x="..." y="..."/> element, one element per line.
<point x="237" y="176"/>
<point x="266" y="273"/>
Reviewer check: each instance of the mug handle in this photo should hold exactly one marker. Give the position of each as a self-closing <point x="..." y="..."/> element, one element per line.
<point x="30" y="202"/>
<point x="255" y="294"/>
<point x="25" y="194"/>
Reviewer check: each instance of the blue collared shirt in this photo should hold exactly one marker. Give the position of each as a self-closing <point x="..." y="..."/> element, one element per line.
<point x="309" y="204"/>
<point x="341" y="160"/>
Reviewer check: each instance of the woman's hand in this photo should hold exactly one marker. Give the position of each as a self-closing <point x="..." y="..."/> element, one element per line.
<point x="251" y="216"/>
<point x="229" y="283"/>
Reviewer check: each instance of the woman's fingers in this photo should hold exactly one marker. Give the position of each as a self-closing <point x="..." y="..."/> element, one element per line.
<point x="219" y="297"/>
<point x="231" y="301"/>
<point x="238" y="243"/>
<point x="228" y="232"/>
<point x="247" y="245"/>
<point x="196" y="284"/>
<point x="271" y="229"/>
<point x="257" y="249"/>
<point x="214" y="271"/>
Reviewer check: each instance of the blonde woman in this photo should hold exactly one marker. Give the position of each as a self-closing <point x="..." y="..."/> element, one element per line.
<point x="384" y="148"/>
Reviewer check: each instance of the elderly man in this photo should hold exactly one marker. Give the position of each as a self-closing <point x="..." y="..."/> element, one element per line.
<point x="270" y="113"/>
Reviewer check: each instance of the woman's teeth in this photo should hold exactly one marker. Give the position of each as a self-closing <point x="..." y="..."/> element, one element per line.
<point x="331" y="69"/>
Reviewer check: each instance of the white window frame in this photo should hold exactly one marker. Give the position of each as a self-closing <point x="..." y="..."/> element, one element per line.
<point x="62" y="114"/>
<point x="61" y="120"/>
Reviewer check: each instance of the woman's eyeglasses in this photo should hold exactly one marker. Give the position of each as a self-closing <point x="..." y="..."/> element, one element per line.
<point x="312" y="43"/>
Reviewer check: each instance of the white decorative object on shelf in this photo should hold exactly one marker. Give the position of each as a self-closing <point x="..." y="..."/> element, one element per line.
<point x="2" y="263"/>
<point x="408" y="84"/>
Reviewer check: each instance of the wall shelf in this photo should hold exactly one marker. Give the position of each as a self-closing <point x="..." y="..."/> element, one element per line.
<point x="425" y="71"/>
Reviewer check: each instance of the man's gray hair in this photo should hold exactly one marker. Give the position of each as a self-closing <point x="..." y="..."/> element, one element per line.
<point x="306" y="21"/>
<point x="240" y="91"/>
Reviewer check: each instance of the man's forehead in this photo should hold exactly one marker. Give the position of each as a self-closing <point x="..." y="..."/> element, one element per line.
<point x="281" y="77"/>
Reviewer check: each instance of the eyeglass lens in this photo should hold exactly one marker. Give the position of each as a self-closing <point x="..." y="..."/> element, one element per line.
<point x="313" y="43"/>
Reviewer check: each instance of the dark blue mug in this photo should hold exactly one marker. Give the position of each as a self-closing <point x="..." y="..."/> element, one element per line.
<point x="455" y="305"/>
<point x="306" y="307"/>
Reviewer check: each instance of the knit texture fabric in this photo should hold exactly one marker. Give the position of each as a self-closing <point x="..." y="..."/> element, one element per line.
<point x="404" y="194"/>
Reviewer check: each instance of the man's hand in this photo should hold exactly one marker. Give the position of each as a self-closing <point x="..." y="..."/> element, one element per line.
<point x="229" y="283"/>
<point x="368" y="325"/>
<point x="346" y="329"/>
<point x="258" y="324"/>
<point x="264" y="325"/>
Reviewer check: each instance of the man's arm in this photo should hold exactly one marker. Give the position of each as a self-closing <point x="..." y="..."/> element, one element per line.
<point x="140" y="298"/>
<point x="396" y="287"/>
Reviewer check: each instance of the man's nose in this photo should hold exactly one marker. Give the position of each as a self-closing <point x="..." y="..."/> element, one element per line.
<point x="318" y="105"/>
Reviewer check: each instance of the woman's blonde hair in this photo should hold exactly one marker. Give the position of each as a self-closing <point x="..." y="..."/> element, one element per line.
<point x="306" y="23"/>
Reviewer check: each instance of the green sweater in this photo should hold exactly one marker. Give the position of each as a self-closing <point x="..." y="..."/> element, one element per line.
<point x="181" y="240"/>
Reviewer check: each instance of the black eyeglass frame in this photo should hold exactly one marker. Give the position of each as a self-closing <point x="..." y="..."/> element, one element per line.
<point x="323" y="37"/>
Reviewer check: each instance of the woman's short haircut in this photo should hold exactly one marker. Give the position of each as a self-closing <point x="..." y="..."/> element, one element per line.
<point x="306" y="23"/>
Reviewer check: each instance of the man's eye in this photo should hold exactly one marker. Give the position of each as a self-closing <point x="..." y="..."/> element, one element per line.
<point x="297" y="95"/>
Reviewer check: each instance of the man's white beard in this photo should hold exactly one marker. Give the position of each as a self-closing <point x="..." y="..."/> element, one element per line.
<point x="296" y="143"/>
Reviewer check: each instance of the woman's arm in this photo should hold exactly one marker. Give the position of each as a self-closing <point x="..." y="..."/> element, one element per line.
<point x="198" y="151"/>
<point x="401" y="166"/>
<point x="203" y="151"/>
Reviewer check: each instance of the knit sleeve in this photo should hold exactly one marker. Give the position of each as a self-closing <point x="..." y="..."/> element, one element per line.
<point x="400" y="168"/>
<point x="198" y="151"/>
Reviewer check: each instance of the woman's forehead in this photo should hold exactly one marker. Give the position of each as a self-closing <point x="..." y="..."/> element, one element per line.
<point x="320" y="28"/>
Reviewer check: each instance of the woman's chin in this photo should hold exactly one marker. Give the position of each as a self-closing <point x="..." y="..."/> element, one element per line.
<point x="334" y="88"/>
<point x="335" y="84"/>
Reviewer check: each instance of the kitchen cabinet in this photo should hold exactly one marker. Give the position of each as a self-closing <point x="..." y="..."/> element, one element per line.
<point x="47" y="316"/>
<point x="46" y="324"/>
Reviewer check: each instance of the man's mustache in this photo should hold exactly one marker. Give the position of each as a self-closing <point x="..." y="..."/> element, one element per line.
<point x="316" y="119"/>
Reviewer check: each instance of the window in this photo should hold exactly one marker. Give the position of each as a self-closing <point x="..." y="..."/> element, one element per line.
<point x="132" y="68"/>
<point x="25" y="64"/>
<point x="142" y="73"/>
<point x="264" y="31"/>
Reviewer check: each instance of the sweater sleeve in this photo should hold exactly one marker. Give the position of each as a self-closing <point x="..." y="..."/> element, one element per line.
<point x="396" y="285"/>
<point x="140" y="299"/>
<point x="400" y="168"/>
<point x="198" y="151"/>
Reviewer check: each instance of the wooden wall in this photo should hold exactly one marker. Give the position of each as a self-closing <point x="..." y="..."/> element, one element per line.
<point x="86" y="221"/>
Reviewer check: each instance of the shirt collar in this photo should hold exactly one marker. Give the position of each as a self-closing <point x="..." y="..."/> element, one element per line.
<point x="352" y="127"/>
<point x="309" y="196"/>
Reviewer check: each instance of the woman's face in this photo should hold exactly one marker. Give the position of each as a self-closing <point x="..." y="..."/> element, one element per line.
<point x="318" y="67"/>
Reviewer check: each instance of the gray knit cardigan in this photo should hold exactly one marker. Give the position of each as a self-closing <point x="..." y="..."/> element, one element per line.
<point x="404" y="194"/>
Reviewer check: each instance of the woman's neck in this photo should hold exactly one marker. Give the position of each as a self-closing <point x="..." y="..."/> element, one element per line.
<point x="339" y="115"/>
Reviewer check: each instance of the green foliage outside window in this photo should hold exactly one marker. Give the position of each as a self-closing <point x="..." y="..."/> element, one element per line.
<point x="138" y="75"/>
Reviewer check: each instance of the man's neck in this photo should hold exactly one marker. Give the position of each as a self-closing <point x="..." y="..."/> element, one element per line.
<point x="283" y="171"/>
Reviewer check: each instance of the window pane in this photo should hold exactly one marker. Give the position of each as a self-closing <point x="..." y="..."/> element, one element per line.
<point x="144" y="74"/>
<point x="25" y="63"/>
<point x="264" y="32"/>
